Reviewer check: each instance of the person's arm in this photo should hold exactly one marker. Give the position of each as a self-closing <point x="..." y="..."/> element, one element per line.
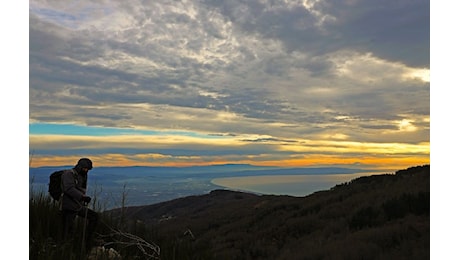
<point x="69" y="187"/>
<point x="84" y="183"/>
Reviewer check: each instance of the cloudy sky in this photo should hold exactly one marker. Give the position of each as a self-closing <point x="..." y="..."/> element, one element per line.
<point x="178" y="83"/>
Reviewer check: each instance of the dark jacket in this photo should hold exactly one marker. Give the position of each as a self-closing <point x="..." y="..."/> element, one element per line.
<point x="74" y="188"/>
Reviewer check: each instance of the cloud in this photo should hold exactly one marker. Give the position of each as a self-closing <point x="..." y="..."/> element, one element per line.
<point x="278" y="70"/>
<point x="396" y="32"/>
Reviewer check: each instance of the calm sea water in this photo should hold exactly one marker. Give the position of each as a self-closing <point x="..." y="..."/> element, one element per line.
<point x="293" y="185"/>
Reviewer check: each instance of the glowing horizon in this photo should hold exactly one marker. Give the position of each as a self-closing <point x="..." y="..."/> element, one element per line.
<point x="156" y="148"/>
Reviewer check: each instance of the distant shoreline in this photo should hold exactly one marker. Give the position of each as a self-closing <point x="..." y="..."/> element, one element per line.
<point x="292" y="185"/>
<point x="150" y="185"/>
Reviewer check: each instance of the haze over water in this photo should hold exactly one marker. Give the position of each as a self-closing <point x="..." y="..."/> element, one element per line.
<point x="151" y="185"/>
<point x="293" y="185"/>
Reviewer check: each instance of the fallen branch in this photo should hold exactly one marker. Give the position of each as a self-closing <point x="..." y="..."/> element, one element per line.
<point x="149" y="250"/>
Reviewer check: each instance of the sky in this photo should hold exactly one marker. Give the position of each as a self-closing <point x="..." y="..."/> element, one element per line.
<point x="272" y="82"/>
<point x="181" y="83"/>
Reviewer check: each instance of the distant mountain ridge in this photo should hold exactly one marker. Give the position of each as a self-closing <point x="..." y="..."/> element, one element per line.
<point x="226" y="168"/>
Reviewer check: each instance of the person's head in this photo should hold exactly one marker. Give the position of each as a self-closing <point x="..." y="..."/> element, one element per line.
<point x="83" y="165"/>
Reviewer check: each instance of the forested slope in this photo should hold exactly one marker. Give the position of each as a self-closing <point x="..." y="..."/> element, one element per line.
<point x="375" y="217"/>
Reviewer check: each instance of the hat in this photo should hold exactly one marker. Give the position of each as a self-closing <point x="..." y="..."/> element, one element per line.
<point x="85" y="163"/>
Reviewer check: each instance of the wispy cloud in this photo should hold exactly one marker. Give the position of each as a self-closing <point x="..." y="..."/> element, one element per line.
<point x="278" y="73"/>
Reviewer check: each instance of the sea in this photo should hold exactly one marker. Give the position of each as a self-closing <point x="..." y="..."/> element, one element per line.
<point x="114" y="187"/>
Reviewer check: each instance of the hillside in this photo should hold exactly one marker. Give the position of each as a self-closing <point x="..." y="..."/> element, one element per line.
<point x="374" y="217"/>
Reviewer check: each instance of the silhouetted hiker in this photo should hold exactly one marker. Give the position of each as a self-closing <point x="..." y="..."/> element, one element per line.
<point x="74" y="200"/>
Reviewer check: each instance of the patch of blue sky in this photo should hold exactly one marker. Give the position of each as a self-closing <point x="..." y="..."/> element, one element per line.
<point x="70" y="129"/>
<point x="69" y="19"/>
<point x="56" y="16"/>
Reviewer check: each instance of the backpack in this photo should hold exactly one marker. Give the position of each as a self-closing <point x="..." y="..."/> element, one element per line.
<point x="54" y="186"/>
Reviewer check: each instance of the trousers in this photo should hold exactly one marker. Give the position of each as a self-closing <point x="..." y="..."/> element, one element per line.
<point x="68" y="223"/>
